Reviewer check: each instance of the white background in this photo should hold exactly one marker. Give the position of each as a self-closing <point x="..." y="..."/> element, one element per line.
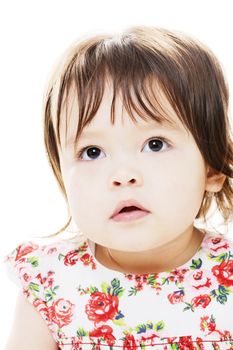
<point x="33" y="35"/>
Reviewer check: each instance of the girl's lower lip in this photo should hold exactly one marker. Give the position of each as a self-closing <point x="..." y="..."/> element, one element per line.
<point x="130" y="215"/>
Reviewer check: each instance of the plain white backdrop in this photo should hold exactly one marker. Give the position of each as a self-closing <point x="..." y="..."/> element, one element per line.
<point x="33" y="35"/>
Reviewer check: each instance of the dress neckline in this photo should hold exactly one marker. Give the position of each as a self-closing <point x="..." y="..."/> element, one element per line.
<point x="91" y="248"/>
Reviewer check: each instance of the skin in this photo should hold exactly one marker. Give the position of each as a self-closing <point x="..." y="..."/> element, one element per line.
<point x="170" y="183"/>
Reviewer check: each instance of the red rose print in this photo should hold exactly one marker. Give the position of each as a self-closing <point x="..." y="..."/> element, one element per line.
<point x="176" y="297"/>
<point x="102" y="307"/>
<point x="61" y="312"/>
<point x="141" y="278"/>
<point x="203" y="322"/>
<point x="71" y="258"/>
<point x="48" y="281"/>
<point x="129" y="276"/>
<point x="139" y="287"/>
<point x="25" y="249"/>
<point x="177" y="275"/>
<point x="186" y="343"/>
<point x="88" y="260"/>
<point x="201" y="300"/>
<point x="49" y="250"/>
<point x="211" y="326"/>
<point x="24" y="270"/>
<point x="216" y="245"/>
<point x="224" y="273"/>
<point x="201" y="280"/>
<point x="152" y="337"/>
<point x="75" y="344"/>
<point x="198" y="275"/>
<point x="129" y="343"/>
<point x="104" y="332"/>
<point x="42" y="308"/>
<point x="200" y="344"/>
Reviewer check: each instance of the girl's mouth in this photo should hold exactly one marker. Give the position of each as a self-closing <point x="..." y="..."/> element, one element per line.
<point x="129" y="214"/>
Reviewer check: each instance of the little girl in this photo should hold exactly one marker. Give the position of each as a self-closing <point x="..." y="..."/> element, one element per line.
<point x="137" y="133"/>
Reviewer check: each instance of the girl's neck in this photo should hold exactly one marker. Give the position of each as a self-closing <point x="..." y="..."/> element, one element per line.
<point x="166" y="258"/>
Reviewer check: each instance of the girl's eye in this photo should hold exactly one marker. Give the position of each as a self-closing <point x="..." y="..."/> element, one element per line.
<point x="156" y="144"/>
<point x="93" y="152"/>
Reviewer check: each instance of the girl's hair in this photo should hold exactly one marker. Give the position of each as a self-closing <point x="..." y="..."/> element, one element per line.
<point x="186" y="70"/>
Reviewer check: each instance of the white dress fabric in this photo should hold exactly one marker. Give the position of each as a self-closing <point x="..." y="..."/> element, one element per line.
<point x="89" y="306"/>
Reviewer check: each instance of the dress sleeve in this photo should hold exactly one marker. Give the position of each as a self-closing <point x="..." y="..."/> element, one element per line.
<point x="23" y="268"/>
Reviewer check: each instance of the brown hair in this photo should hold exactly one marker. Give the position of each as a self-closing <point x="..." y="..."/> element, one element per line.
<point x="186" y="70"/>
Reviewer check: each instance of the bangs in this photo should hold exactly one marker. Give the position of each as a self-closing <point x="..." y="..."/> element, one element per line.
<point x="136" y="76"/>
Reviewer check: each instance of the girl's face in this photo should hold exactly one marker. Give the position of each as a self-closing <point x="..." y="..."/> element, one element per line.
<point x="167" y="177"/>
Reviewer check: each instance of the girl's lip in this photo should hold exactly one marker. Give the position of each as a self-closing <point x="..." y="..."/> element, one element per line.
<point x="130" y="215"/>
<point x="128" y="203"/>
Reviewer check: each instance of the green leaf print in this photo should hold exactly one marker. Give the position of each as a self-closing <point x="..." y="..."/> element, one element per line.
<point x="213" y="293"/>
<point x="158" y="326"/>
<point x="132" y="291"/>
<point x="114" y="290"/>
<point x="119" y="315"/>
<point x="129" y="330"/>
<point x="151" y="280"/>
<point x="141" y="328"/>
<point x="149" y="325"/>
<point x="220" y="294"/>
<point x="212" y="319"/>
<point x="222" y="299"/>
<point x="118" y="292"/>
<point x="165" y="280"/>
<point x="50" y="293"/>
<point x="223" y="290"/>
<point x="34" y="286"/>
<point x="121" y="292"/>
<point x="61" y="256"/>
<point x="219" y="258"/>
<point x="93" y="289"/>
<point x="81" y="333"/>
<point x="104" y="287"/>
<point x="33" y="261"/>
<point x="120" y="322"/>
<point x="188" y="307"/>
<point x="174" y="346"/>
<point x="115" y="283"/>
<point x="196" y="264"/>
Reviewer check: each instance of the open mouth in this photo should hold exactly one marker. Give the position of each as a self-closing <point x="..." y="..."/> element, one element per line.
<point x="128" y="209"/>
<point x="129" y="214"/>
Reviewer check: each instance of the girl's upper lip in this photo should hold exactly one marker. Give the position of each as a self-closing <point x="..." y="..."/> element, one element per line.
<point x="127" y="203"/>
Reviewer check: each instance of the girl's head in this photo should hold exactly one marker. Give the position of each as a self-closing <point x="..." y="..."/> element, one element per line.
<point x="151" y="106"/>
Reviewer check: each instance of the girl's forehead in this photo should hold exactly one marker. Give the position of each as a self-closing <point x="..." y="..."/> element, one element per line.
<point x="69" y="117"/>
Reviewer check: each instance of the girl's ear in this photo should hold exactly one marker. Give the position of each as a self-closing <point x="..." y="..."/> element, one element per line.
<point x="214" y="180"/>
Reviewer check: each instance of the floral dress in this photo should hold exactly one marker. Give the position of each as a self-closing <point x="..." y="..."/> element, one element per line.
<point x="89" y="306"/>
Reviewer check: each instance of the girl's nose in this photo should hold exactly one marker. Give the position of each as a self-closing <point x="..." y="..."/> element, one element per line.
<point x="126" y="179"/>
